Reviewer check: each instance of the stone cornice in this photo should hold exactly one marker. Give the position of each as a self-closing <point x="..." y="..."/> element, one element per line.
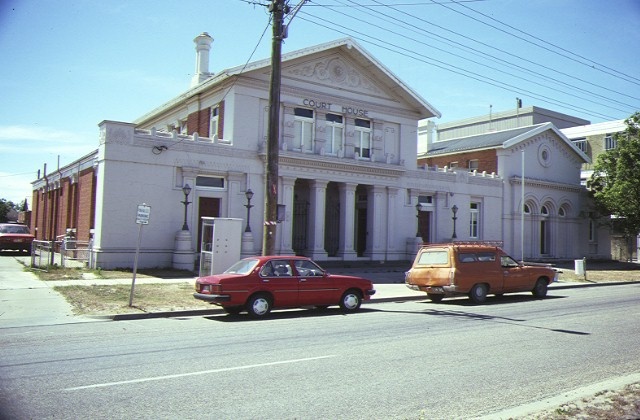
<point x="515" y="180"/>
<point x="344" y="165"/>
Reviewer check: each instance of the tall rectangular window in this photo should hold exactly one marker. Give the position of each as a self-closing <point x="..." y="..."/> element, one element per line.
<point x="335" y="130"/>
<point x="303" y="127"/>
<point x="363" y="138"/>
<point x="592" y="228"/>
<point x="581" y="144"/>
<point x="213" y="125"/>
<point x="474" y="220"/>
<point x="610" y="142"/>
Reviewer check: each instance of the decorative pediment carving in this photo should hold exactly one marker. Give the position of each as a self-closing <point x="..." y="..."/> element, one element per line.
<point x="336" y="71"/>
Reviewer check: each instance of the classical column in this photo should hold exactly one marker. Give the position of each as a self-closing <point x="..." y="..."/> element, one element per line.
<point x="346" y="246"/>
<point x="318" y="196"/>
<point x="285" y="228"/>
<point x="376" y="223"/>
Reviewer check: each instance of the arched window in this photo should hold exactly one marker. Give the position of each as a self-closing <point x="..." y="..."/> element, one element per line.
<point x="544" y="211"/>
<point x="527" y="209"/>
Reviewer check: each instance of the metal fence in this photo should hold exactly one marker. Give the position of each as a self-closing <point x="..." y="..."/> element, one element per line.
<point x="68" y="253"/>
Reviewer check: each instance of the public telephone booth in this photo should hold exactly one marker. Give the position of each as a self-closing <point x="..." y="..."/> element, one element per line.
<point x="220" y="246"/>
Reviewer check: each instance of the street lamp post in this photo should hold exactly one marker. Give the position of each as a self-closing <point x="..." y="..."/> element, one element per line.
<point x="418" y="210"/>
<point x="186" y="190"/>
<point x="454" y="209"/>
<point x="249" y="195"/>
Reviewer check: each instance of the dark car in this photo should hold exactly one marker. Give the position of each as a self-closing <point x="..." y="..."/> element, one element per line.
<point x="259" y="284"/>
<point x="15" y="237"/>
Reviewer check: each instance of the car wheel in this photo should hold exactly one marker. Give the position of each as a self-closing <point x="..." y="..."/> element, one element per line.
<point x="351" y="301"/>
<point x="233" y="310"/>
<point x="540" y="289"/>
<point x="259" y="305"/>
<point x="478" y="293"/>
<point x="435" y="297"/>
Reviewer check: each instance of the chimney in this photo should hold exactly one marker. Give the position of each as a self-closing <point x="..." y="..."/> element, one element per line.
<point x="431" y="133"/>
<point x="203" y="46"/>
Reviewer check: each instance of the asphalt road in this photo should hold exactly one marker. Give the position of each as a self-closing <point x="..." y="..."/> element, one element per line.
<point x="392" y="360"/>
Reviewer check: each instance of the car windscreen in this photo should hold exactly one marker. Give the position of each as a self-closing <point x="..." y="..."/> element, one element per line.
<point x="242" y="267"/>
<point x="14" y="229"/>
<point x="434" y="257"/>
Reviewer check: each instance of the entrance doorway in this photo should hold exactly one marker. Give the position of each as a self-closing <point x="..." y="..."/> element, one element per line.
<point x="207" y="207"/>
<point x="424" y="226"/>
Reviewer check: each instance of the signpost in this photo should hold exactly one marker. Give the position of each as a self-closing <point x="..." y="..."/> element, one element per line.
<point x="142" y="218"/>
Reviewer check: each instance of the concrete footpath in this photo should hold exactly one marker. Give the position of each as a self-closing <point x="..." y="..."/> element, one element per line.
<point x="27" y="301"/>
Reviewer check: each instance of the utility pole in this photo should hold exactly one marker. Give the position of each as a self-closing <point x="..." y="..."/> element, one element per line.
<point x="279" y="9"/>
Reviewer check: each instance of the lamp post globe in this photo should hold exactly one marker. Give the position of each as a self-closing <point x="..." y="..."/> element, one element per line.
<point x="186" y="190"/>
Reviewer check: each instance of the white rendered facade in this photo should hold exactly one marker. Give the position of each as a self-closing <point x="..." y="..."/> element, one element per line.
<point x="348" y="176"/>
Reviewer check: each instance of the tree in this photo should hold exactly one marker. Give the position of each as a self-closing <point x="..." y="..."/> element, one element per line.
<point x="615" y="183"/>
<point x="5" y="207"/>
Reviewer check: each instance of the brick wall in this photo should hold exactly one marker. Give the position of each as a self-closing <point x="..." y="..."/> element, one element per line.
<point x="487" y="160"/>
<point x="86" y="209"/>
<point x="71" y="205"/>
<point x="200" y="121"/>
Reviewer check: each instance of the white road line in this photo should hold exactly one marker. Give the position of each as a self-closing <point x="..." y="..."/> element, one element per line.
<point x="202" y="372"/>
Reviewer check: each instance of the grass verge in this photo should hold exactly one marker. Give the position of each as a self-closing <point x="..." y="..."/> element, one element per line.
<point x="114" y="299"/>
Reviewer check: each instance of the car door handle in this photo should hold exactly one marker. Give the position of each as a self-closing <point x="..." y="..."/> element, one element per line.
<point x="301" y="280"/>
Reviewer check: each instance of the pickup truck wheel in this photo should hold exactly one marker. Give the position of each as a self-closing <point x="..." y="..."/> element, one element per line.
<point x="540" y="289"/>
<point x="435" y="297"/>
<point x="259" y="305"/>
<point x="478" y="293"/>
<point x="351" y="301"/>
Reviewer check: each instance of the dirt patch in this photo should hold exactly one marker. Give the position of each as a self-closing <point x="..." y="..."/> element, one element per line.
<point x="605" y="405"/>
<point x="114" y="299"/>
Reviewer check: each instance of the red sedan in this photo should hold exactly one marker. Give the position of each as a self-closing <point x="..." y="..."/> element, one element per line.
<point x="258" y="284"/>
<point x="15" y="236"/>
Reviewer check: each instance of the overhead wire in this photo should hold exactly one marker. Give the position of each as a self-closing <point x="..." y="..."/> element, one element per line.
<point x="331" y="25"/>
<point x="493" y="47"/>
<point x="247" y="62"/>
<point x="485" y="56"/>
<point x="593" y="65"/>
<point x="394" y="48"/>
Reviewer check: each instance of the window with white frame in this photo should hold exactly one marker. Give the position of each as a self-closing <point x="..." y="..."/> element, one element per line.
<point x="183" y="127"/>
<point x="363" y="138"/>
<point x="474" y="220"/>
<point x="581" y="144"/>
<point x="474" y="164"/>
<point x="334" y="131"/>
<point x="210" y="182"/>
<point x="303" y="129"/>
<point x="610" y="142"/>
<point x="213" y="125"/>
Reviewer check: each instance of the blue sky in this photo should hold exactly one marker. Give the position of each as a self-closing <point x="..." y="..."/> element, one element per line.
<point x="67" y="65"/>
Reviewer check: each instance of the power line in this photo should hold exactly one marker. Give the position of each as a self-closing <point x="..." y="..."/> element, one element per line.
<point x="391" y="19"/>
<point x="488" y="57"/>
<point x="457" y="70"/>
<point x="592" y="65"/>
<point x="508" y="53"/>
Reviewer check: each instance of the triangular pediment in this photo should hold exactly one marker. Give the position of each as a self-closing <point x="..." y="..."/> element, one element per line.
<point x="334" y="70"/>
